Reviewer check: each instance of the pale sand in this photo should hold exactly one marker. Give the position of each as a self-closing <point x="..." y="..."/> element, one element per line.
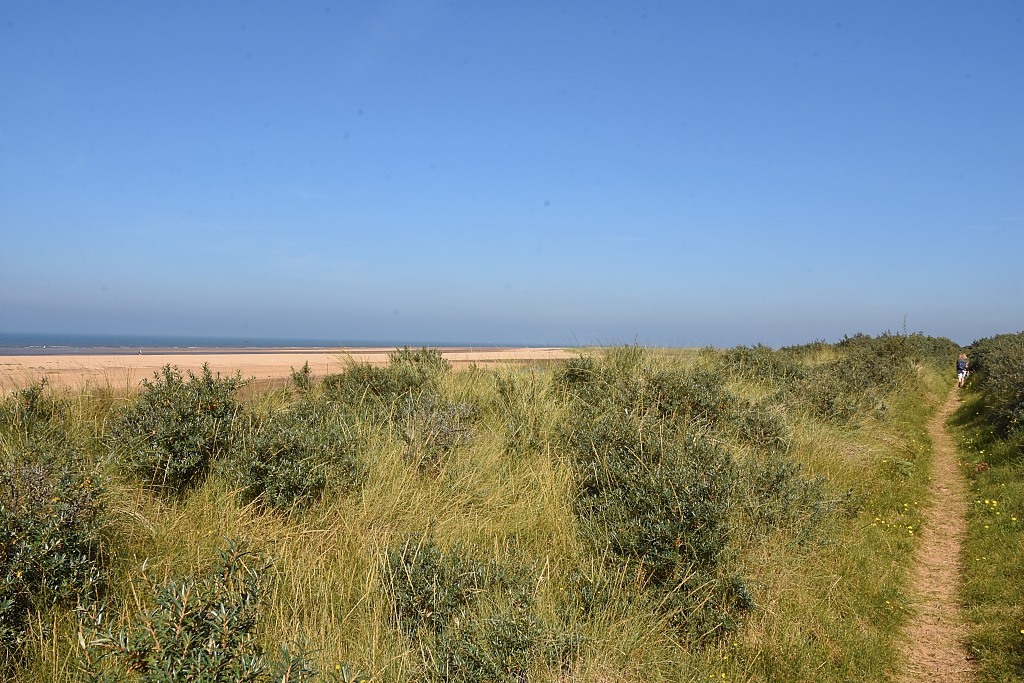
<point x="116" y="370"/>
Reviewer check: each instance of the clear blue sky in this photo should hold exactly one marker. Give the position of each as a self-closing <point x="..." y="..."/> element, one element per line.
<point x="547" y="172"/>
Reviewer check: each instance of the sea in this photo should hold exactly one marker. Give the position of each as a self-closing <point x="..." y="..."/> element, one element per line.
<point x="23" y="343"/>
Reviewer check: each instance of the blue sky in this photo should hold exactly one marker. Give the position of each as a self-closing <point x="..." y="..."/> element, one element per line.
<point x="677" y="173"/>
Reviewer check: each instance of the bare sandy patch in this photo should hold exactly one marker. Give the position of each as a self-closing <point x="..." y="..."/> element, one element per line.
<point x="121" y="370"/>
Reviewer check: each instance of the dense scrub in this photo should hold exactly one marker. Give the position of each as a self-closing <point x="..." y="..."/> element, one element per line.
<point x="611" y="517"/>
<point x="991" y="445"/>
<point x="997" y="372"/>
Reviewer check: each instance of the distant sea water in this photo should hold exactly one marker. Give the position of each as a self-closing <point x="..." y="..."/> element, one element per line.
<point x="16" y="343"/>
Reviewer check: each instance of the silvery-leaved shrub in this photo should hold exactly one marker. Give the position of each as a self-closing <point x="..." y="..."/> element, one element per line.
<point x="51" y="518"/>
<point x="378" y="389"/>
<point x="172" y="431"/>
<point x="472" y="621"/>
<point x="286" y="459"/>
<point x="202" y="628"/>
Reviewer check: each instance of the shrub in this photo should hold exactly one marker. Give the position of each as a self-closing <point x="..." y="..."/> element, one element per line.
<point x="762" y="426"/>
<point x="429" y="588"/>
<point x="362" y="384"/>
<point x="763" y="364"/>
<point x="694" y="395"/>
<point x="773" y="493"/>
<point x="287" y="458"/>
<point x="855" y="382"/>
<point x="650" y="496"/>
<point x="203" y="627"/>
<point x="171" y="433"/>
<point x="302" y="378"/>
<point x="474" y="621"/>
<point x="50" y="523"/>
<point x="997" y="369"/>
<point x="34" y="418"/>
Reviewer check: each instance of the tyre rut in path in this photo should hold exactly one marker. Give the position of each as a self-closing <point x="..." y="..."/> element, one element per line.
<point x="934" y="640"/>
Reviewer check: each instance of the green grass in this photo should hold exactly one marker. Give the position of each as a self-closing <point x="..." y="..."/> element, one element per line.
<point x="993" y="590"/>
<point x="829" y="579"/>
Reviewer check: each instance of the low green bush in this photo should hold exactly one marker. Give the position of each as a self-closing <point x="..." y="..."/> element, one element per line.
<point x="379" y="388"/>
<point x="650" y="495"/>
<point x="773" y="493"/>
<point x="202" y="628"/>
<point x="852" y="383"/>
<point x="287" y="458"/>
<point x="51" y="518"/>
<point x="474" y="621"/>
<point x="997" y="370"/>
<point x="169" y="435"/>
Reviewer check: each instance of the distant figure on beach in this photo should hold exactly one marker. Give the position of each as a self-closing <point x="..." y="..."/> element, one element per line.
<point x="961" y="369"/>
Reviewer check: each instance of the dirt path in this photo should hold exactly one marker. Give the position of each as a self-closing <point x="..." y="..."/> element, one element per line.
<point x="934" y="648"/>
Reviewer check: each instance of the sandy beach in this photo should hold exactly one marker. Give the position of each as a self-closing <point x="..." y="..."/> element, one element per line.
<point x="120" y="369"/>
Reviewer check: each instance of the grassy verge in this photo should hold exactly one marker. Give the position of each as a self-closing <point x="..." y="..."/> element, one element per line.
<point x="993" y="560"/>
<point x="633" y="515"/>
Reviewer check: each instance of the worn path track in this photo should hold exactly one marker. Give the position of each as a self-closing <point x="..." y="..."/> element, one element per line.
<point x="934" y="645"/>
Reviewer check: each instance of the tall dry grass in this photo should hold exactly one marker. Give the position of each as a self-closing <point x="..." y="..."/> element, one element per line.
<point x="830" y="597"/>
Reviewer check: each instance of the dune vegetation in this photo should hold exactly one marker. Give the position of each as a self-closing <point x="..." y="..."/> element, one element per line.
<point x="990" y="427"/>
<point x="631" y="514"/>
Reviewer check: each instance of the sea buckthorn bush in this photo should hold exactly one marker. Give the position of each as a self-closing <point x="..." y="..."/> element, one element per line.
<point x="51" y="521"/>
<point x="850" y="382"/>
<point x="649" y="495"/>
<point x="473" y="621"/>
<point x="380" y="388"/>
<point x="285" y="459"/>
<point x="203" y="627"/>
<point x="170" y="434"/>
<point x="997" y="370"/>
<point x="33" y="412"/>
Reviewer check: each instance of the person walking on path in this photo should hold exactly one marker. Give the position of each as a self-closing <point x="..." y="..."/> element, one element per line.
<point x="961" y="369"/>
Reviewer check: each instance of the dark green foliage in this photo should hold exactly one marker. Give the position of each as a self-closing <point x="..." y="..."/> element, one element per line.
<point x="762" y="426"/>
<point x="648" y="493"/>
<point x="997" y="370"/>
<point x="428" y="361"/>
<point x="496" y="648"/>
<point x="584" y="593"/>
<point x="651" y="496"/>
<point x="287" y="458"/>
<point x="362" y="384"/>
<point x="861" y="372"/>
<point x="50" y="523"/>
<point x="302" y="378"/>
<point x="430" y="588"/>
<point x="475" y="621"/>
<point x="707" y="609"/>
<point x="694" y="395"/>
<point x="774" y="493"/>
<point x="432" y="428"/>
<point x="202" y="628"/>
<point x="32" y="411"/>
<point x="764" y="365"/>
<point x="170" y="434"/>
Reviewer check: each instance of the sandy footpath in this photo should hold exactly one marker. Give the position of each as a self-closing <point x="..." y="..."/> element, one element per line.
<point x="119" y="370"/>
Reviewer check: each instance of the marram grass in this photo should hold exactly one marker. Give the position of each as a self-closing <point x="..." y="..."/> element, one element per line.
<point x="818" y="532"/>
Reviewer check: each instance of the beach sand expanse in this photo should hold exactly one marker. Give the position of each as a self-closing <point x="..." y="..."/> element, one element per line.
<point x="119" y="370"/>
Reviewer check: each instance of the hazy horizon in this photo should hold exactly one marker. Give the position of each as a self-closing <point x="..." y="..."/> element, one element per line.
<point x="538" y="174"/>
